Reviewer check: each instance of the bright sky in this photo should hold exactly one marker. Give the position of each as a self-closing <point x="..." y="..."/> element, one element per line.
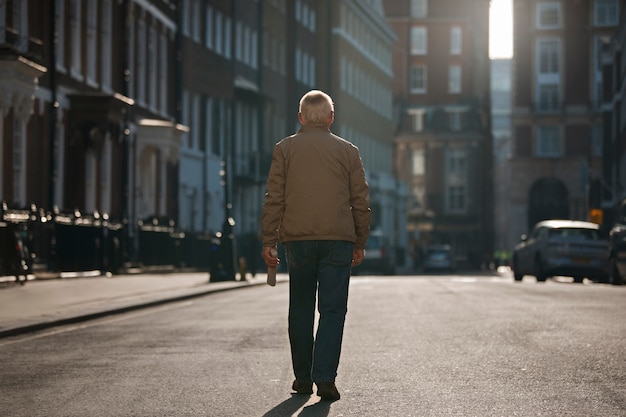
<point x="500" y="29"/>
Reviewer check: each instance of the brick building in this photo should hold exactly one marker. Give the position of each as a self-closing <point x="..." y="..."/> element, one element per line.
<point x="441" y="108"/>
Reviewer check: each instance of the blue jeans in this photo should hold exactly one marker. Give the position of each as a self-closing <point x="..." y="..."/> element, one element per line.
<point x="322" y="268"/>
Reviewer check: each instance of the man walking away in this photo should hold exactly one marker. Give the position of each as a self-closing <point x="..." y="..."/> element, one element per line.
<point x="317" y="206"/>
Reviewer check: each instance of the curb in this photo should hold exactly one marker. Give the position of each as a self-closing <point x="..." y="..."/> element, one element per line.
<point x="81" y="317"/>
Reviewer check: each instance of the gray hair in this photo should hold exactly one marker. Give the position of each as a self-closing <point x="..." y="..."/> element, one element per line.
<point x="316" y="107"/>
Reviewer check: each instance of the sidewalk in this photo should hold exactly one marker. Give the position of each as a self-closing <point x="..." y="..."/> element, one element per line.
<point x="41" y="304"/>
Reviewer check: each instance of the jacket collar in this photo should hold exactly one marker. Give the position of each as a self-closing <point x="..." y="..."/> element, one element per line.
<point x="311" y="127"/>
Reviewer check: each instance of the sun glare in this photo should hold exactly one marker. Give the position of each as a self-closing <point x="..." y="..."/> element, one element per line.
<point x="501" y="29"/>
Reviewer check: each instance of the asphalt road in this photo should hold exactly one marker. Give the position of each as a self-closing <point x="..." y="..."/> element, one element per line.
<point x="413" y="346"/>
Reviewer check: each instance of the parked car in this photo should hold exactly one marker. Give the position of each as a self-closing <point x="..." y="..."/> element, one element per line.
<point x="617" y="248"/>
<point x="379" y="256"/>
<point x="563" y="247"/>
<point x="439" y="258"/>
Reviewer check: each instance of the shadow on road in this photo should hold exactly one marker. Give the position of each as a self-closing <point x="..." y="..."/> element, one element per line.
<point x="289" y="407"/>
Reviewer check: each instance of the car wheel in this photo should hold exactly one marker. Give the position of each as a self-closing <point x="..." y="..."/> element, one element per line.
<point x="539" y="272"/>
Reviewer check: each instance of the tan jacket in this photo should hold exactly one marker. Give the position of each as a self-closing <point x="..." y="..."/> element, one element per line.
<point x="316" y="190"/>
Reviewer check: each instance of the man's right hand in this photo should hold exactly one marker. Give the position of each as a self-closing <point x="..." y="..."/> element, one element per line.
<point x="270" y="260"/>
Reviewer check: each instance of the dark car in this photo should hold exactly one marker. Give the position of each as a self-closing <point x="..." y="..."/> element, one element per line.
<point x="563" y="248"/>
<point x="439" y="258"/>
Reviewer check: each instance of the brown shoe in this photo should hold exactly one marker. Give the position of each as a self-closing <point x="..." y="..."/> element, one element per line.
<point x="301" y="386"/>
<point x="328" y="391"/>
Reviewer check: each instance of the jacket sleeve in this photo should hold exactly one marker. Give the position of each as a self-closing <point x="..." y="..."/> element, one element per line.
<point x="274" y="204"/>
<point x="360" y="201"/>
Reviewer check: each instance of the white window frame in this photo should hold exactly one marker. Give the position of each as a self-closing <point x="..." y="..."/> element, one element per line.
<point x="456" y="40"/>
<point x="414" y="79"/>
<point x="543" y="7"/>
<point x="455" y="79"/>
<point x="602" y="15"/>
<point x="419" y="40"/>
<point x="548" y="141"/>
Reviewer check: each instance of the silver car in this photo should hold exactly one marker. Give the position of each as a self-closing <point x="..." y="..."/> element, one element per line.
<point x="563" y="248"/>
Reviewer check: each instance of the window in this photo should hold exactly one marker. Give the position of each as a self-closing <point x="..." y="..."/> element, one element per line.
<point x="20" y="24"/>
<point x="195" y="20"/>
<point x="455" y="198"/>
<point x="419" y="8"/>
<point x="455" y="119"/>
<point x="605" y="12"/>
<point x="548" y="141"/>
<point x="548" y="15"/>
<point x="163" y="73"/>
<point x="456" y="181"/>
<point x="140" y="75"/>
<point x="208" y="34"/>
<point x="239" y="41"/>
<point x="92" y="27"/>
<point x="75" y="33"/>
<point x="312" y="71"/>
<point x="548" y="97"/>
<point x="19" y="161"/>
<point x="419" y="40"/>
<point x="107" y="40"/>
<point x="548" y="74"/>
<point x="218" y="33"/>
<point x="246" y="45"/>
<point x="548" y="59"/>
<point x="227" y="37"/>
<point x="298" y="62"/>
<point x="599" y="43"/>
<point x="418" y="79"/>
<point x="455" y="40"/>
<point x="454" y="79"/>
<point x="60" y="44"/>
<point x="153" y="53"/>
<point x="254" y="57"/>
<point x="419" y="166"/>
<point x="418" y="119"/>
